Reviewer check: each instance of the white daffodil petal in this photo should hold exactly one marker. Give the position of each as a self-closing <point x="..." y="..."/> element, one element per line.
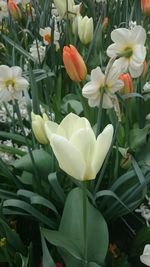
<point x="94" y="102"/>
<point x="107" y="103"/>
<point x="113" y="50"/>
<point x="122" y="64"/>
<point x="97" y="77"/>
<point x="135" y="69"/>
<point x="16" y="71"/>
<point x="120" y="36"/>
<point x="5" y="95"/>
<point x="118" y="85"/>
<point x="50" y="128"/>
<point x="139" y="53"/>
<point x="21" y="84"/>
<point x="101" y="147"/>
<point x="69" y="157"/>
<point x="5" y="72"/>
<point x="138" y="35"/>
<point x="84" y="140"/>
<point x="89" y="90"/>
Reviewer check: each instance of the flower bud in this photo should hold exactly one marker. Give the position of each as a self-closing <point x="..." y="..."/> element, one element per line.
<point x="127" y="80"/>
<point x="14" y="10"/>
<point x="74" y="64"/>
<point x="145" y="6"/>
<point x="38" y="127"/>
<point x="62" y="7"/>
<point x="105" y="24"/>
<point x="144" y="69"/>
<point x="85" y="29"/>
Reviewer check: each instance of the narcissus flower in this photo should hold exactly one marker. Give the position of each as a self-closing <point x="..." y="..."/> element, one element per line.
<point x="74" y="64"/>
<point x="3" y="10"/>
<point x="11" y="83"/>
<point x="129" y="46"/>
<point x="46" y="34"/>
<point x="127" y="80"/>
<point x="37" y="51"/>
<point x="85" y="29"/>
<point x="38" y="127"/>
<point x="145" y="6"/>
<point x="93" y="89"/>
<point x="145" y="257"/>
<point x="76" y="148"/>
<point x="14" y="10"/>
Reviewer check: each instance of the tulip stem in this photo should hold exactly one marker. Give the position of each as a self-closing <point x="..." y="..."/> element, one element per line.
<point x="85" y="221"/>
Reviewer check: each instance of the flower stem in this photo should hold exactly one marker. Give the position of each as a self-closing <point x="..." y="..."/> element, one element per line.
<point x="85" y="221"/>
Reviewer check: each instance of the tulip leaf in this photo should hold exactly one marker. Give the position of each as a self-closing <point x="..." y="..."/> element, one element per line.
<point x="93" y="264"/>
<point x="42" y="163"/>
<point x="71" y="228"/>
<point x="52" y="178"/>
<point x="47" y="260"/>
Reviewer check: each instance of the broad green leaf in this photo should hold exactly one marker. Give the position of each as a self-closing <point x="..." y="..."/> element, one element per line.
<point x="42" y="162"/>
<point x="47" y="260"/>
<point x="52" y="178"/>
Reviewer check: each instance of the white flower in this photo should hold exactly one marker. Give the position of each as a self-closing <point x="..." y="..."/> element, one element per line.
<point x="92" y="90"/>
<point x="11" y="83"/>
<point x="132" y="24"/>
<point x="129" y="44"/>
<point x="3" y="10"/>
<point x="62" y="7"/>
<point x="46" y="34"/>
<point x="76" y="148"/>
<point x="146" y="87"/>
<point x="37" y="50"/>
<point x="85" y="29"/>
<point x="145" y="257"/>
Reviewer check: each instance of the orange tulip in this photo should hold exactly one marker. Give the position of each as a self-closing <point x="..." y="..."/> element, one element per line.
<point x="14" y="10"/>
<point x="144" y="69"/>
<point x="145" y="6"/>
<point x="128" y="87"/>
<point x="105" y="24"/>
<point x="74" y="64"/>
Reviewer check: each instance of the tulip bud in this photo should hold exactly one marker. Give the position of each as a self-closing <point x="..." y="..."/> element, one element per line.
<point x="62" y="7"/>
<point x="14" y="10"/>
<point x="105" y="24"/>
<point x="74" y="64"/>
<point x="144" y="69"/>
<point x="85" y="29"/>
<point x="38" y="127"/>
<point x="145" y="6"/>
<point x="128" y="87"/>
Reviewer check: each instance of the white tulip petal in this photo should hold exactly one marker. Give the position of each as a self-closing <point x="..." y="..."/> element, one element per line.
<point x="84" y="140"/>
<point x="101" y="147"/>
<point x="67" y="125"/>
<point x="138" y="34"/>
<point x="120" y="36"/>
<point x="69" y="157"/>
<point x="50" y="128"/>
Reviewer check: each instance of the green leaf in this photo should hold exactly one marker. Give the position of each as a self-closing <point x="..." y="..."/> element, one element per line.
<point x="42" y="161"/>
<point x="15" y="137"/>
<point x="71" y="229"/>
<point x="52" y="178"/>
<point x="93" y="264"/>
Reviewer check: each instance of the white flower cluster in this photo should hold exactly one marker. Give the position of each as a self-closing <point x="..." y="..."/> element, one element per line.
<point x="145" y="211"/>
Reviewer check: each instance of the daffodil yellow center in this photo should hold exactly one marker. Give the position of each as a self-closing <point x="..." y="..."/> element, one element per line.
<point x="128" y="51"/>
<point x="10" y="83"/>
<point x="47" y="38"/>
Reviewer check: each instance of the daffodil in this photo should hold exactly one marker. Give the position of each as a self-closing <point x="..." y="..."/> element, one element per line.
<point x="145" y="257"/>
<point x="3" y="10"/>
<point x="37" y="51"/>
<point x="129" y="47"/>
<point x="109" y="82"/>
<point x="11" y="83"/>
<point x="47" y="33"/>
<point x="76" y="148"/>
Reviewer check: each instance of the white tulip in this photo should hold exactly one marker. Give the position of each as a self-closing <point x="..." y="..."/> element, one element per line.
<point x="85" y="29"/>
<point x="76" y="148"/>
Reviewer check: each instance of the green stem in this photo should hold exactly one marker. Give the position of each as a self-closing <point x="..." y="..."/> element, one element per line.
<point x="85" y="221"/>
<point x="100" y="113"/>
